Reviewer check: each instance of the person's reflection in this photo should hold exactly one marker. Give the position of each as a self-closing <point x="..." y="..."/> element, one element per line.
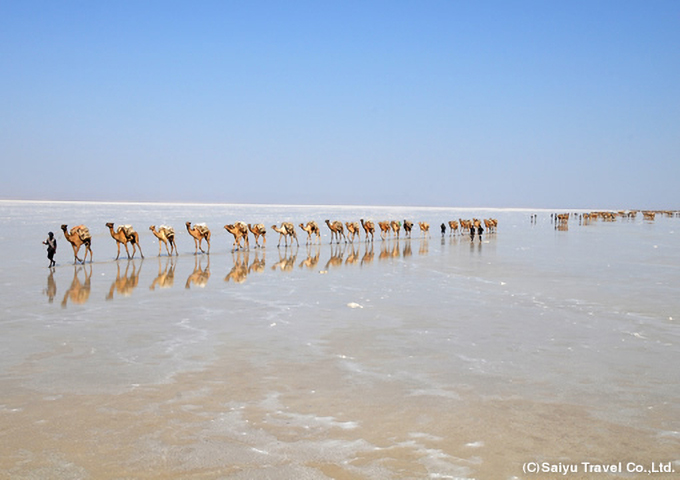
<point x="78" y="293"/>
<point x="312" y="258"/>
<point x="239" y="271"/>
<point x="51" y="289"/>
<point x="199" y="277"/>
<point x="166" y="276"/>
<point x="337" y="252"/>
<point x="286" y="262"/>
<point x="128" y="282"/>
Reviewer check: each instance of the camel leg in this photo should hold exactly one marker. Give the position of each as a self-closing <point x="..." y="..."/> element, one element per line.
<point x="141" y="254"/>
<point x="75" y="253"/>
<point x="207" y="239"/>
<point x="126" y="250"/>
<point x="118" y="245"/>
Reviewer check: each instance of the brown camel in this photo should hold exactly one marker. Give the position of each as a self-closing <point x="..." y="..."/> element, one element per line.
<point x="384" y="229"/>
<point x="408" y="226"/>
<point x="286" y="230"/>
<point x="396" y="227"/>
<point x="353" y="230"/>
<point x="369" y="228"/>
<point x="165" y="235"/>
<point x="258" y="230"/>
<point x="240" y="231"/>
<point x="199" y="231"/>
<point x="336" y="230"/>
<point x="311" y="228"/>
<point x="453" y="227"/>
<point x="125" y="234"/>
<point x="424" y="228"/>
<point x="79" y="235"/>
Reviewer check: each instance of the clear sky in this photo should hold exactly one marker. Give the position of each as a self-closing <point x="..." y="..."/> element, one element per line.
<point x="539" y="104"/>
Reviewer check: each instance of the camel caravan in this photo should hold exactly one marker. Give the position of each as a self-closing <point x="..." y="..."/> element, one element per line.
<point x="349" y="232"/>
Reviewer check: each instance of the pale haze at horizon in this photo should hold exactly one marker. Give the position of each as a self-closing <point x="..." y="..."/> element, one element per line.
<point x="468" y="104"/>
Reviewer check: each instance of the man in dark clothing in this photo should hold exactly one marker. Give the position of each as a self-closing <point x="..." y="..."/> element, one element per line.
<point x="480" y="230"/>
<point x="51" y="243"/>
<point x="443" y="227"/>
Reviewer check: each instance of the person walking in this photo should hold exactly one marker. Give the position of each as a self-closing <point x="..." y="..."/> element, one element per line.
<point x="51" y="243"/>
<point x="480" y="230"/>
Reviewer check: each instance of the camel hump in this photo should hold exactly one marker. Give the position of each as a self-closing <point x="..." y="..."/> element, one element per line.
<point x="127" y="230"/>
<point x="202" y="228"/>
<point x="167" y="229"/>
<point x="83" y="232"/>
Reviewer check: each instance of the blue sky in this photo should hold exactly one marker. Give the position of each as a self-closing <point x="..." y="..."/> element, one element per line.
<point x="541" y="104"/>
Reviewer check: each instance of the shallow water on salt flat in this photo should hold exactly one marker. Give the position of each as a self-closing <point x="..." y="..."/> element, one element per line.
<point x="585" y="317"/>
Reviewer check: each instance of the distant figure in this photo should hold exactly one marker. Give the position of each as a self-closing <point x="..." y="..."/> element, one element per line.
<point x="480" y="230"/>
<point x="472" y="233"/>
<point x="51" y="243"/>
<point x="443" y="227"/>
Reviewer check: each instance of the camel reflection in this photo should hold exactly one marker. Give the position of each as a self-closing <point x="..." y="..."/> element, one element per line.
<point x="388" y="250"/>
<point x="312" y="260"/>
<point x="368" y="254"/>
<point x="199" y="276"/>
<point x="166" y="276"/>
<point x="286" y="262"/>
<point x="239" y="271"/>
<point x="424" y="247"/>
<point x="407" y="249"/>
<point x="128" y="282"/>
<point x="337" y="253"/>
<point x="78" y="292"/>
<point x="353" y="255"/>
<point x="51" y="289"/>
<point x="258" y="265"/>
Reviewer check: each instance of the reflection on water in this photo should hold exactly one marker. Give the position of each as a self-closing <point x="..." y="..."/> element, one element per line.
<point x="51" y="289"/>
<point x="200" y="276"/>
<point x="128" y="282"/>
<point x="313" y="257"/>
<point x="78" y="292"/>
<point x="166" y="276"/>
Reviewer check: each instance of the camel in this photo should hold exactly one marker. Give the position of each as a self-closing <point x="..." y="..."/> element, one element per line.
<point x="490" y="224"/>
<point x="336" y="230"/>
<point x="453" y="227"/>
<point x="311" y="228"/>
<point x="78" y="293"/>
<point x="353" y="230"/>
<point x="286" y="230"/>
<point x="166" y="277"/>
<point x="384" y="229"/>
<point x="424" y="228"/>
<point x="199" y="276"/>
<point x="166" y="235"/>
<point x="369" y="228"/>
<point x="258" y="230"/>
<point x="199" y="231"/>
<point x="126" y="284"/>
<point x="125" y="234"/>
<point x="408" y="226"/>
<point x="240" y="231"/>
<point x="79" y="235"/>
<point x="396" y="226"/>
